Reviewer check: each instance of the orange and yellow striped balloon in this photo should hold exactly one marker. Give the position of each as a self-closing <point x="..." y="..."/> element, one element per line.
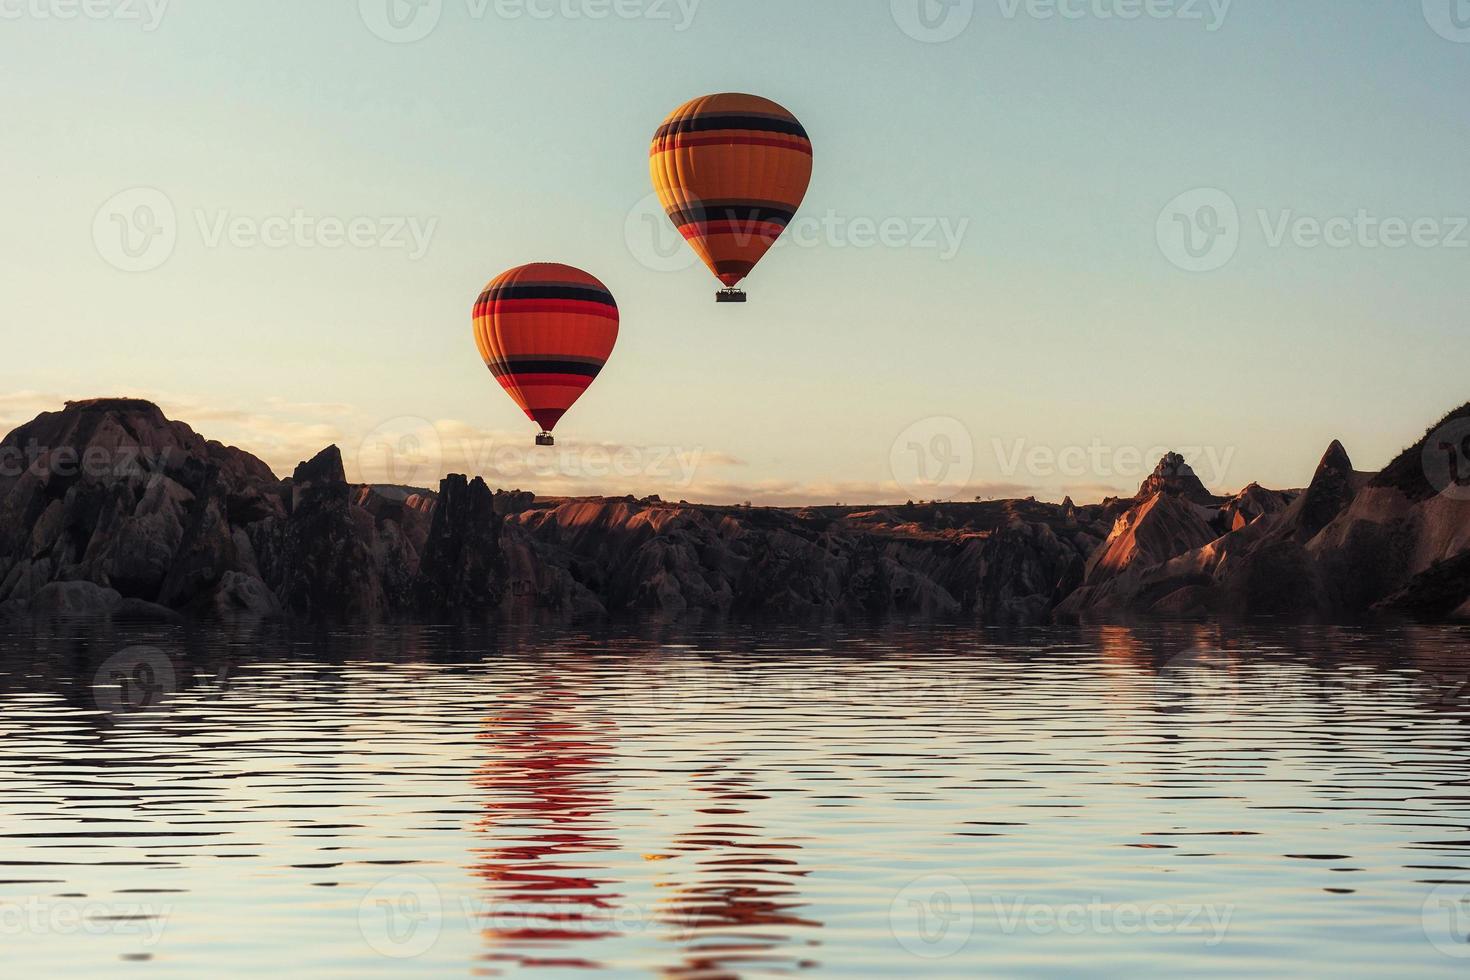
<point x="731" y="172"/>
<point x="545" y="331"/>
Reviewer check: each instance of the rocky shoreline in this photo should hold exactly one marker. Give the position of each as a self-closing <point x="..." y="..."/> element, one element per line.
<point x="107" y="508"/>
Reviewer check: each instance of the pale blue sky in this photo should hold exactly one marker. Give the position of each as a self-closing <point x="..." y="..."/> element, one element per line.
<point x="1056" y="143"/>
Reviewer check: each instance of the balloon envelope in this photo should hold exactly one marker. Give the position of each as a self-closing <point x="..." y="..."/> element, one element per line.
<point x="545" y="331"/>
<point x="731" y="171"/>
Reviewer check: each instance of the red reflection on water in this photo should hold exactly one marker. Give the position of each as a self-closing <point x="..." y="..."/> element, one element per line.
<point x="545" y="790"/>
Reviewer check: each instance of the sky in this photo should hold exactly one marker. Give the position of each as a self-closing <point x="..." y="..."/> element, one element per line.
<point x="1044" y="240"/>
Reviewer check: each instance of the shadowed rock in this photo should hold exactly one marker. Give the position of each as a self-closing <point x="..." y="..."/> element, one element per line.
<point x="109" y="508"/>
<point x="1331" y="490"/>
<point x="462" y="570"/>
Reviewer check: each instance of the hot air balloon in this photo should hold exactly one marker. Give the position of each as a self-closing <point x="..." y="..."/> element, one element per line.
<point x="731" y="172"/>
<point x="545" y="331"/>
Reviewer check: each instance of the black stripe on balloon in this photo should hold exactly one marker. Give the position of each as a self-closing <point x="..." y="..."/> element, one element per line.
<point x="515" y="365"/>
<point x="711" y="123"/>
<point x="586" y="294"/>
<point x="733" y="211"/>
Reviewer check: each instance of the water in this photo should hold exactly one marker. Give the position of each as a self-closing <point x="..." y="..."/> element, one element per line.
<point x="839" y="802"/>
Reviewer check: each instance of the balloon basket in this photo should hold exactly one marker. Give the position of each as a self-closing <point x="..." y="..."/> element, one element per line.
<point x="729" y="296"/>
<point x="545" y="439"/>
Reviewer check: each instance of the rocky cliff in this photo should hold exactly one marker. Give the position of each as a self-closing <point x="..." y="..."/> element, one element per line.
<point x="1351" y="544"/>
<point x="109" y="508"/>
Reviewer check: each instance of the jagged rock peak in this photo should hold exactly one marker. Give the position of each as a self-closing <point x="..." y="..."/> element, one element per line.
<point x="1330" y="492"/>
<point x="325" y="467"/>
<point x="1174" y="476"/>
<point x="1335" y="458"/>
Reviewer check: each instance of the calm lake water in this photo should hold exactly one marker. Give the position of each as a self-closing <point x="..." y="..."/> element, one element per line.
<point x="834" y="802"/>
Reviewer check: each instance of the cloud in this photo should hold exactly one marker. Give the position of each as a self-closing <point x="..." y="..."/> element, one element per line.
<point x="417" y="452"/>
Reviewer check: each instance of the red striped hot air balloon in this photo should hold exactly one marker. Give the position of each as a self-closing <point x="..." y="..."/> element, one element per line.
<point x="545" y="331"/>
<point x="731" y="172"/>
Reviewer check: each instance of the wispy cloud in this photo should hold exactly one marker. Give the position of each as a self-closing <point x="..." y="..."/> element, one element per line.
<point x="418" y="452"/>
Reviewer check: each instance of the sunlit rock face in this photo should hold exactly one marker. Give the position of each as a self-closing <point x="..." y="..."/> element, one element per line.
<point x="1351" y="544"/>
<point x="109" y="508"/>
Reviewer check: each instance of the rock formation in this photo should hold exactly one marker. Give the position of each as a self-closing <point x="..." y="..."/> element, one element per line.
<point x="108" y="508"/>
